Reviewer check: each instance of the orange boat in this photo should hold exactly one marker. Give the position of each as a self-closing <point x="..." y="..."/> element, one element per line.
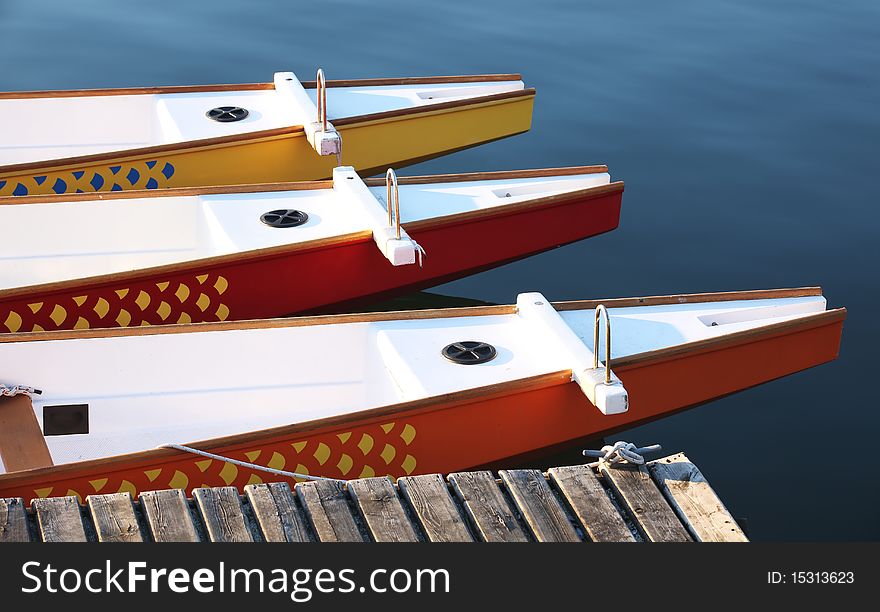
<point x="350" y="396"/>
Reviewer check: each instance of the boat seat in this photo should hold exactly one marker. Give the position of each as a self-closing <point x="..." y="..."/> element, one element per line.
<point x="22" y="444"/>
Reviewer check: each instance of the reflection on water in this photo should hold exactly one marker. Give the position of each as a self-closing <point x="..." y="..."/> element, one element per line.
<point x="422" y="300"/>
<point x="746" y="133"/>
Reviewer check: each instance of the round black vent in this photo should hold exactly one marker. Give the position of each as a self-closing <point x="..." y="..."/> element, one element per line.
<point x="469" y="352"/>
<point x="227" y="114"/>
<point x="284" y="218"/>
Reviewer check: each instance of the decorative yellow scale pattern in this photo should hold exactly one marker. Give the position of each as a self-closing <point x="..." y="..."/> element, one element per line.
<point x="361" y="453"/>
<point x="181" y="301"/>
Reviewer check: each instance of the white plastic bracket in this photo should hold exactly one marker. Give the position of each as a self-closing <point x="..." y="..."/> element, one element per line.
<point x="324" y="141"/>
<point x="609" y="398"/>
<point x="355" y="193"/>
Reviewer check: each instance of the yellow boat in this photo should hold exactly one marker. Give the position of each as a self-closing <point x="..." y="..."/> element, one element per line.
<point x="288" y="130"/>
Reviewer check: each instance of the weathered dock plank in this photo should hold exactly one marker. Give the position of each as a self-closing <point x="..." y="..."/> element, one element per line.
<point x="168" y="516"/>
<point x="59" y="519"/>
<point x="326" y="505"/>
<point x="646" y="505"/>
<point x="222" y="514"/>
<point x="435" y="508"/>
<point x="590" y="504"/>
<point x="694" y="500"/>
<point x="382" y="510"/>
<point x="277" y="514"/>
<point x="13" y="520"/>
<point x="487" y="507"/>
<point x="114" y="518"/>
<point x="542" y="512"/>
<point x="665" y="500"/>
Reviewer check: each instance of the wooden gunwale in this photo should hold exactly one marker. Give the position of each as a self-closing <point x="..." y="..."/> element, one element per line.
<point x="414" y="407"/>
<point x="206" y="143"/>
<point x="310" y="245"/>
<point x="433" y="313"/>
<point x="171" y="192"/>
<point x="174" y="89"/>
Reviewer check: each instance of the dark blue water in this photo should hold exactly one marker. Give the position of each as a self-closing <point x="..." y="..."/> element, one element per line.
<point x="747" y="133"/>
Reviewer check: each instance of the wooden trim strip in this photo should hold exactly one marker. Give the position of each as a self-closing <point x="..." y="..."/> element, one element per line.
<point x="152" y="150"/>
<point x="176" y="268"/>
<point x="433" y="313"/>
<point x="280" y="323"/>
<point x="425" y="179"/>
<point x="128" y="154"/>
<point x="512" y="209"/>
<point x="175" y="89"/>
<point x="494" y="175"/>
<point x="309" y="245"/>
<point x="437" y="108"/>
<point x="132" y="91"/>
<point x="423" y="80"/>
<point x="691" y="298"/>
<point x="168" y="192"/>
<point x="801" y="323"/>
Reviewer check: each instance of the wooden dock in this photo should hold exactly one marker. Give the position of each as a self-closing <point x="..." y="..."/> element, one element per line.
<point x="665" y="500"/>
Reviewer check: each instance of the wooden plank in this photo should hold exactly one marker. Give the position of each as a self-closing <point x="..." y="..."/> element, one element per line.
<point x="13" y="520"/>
<point x="114" y="518"/>
<point x="277" y="513"/>
<point x="326" y="505"/>
<point x="542" y="512"/>
<point x="435" y="508"/>
<point x="168" y="516"/>
<point x="487" y="507"/>
<point x="645" y="504"/>
<point x="590" y="503"/>
<point x="221" y="511"/>
<point x="694" y="500"/>
<point x="59" y="519"/>
<point x="22" y="443"/>
<point x="378" y="501"/>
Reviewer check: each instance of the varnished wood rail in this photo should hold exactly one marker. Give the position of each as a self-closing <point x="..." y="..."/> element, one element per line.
<point x="666" y="500"/>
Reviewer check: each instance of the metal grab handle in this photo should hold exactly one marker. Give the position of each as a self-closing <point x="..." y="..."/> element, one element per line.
<point x="322" y="99"/>
<point x="391" y="182"/>
<point x="599" y="310"/>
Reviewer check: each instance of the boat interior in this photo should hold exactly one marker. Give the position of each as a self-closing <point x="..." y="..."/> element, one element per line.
<point x="60" y="126"/>
<point x="58" y="241"/>
<point x="184" y="384"/>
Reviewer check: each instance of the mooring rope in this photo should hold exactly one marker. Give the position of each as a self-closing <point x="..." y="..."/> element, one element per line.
<point x="621" y="452"/>
<point x="422" y="254"/>
<point x="11" y="391"/>
<point x="246" y="464"/>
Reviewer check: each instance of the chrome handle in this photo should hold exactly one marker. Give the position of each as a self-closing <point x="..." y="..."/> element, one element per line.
<point x="599" y="310"/>
<point x="392" y="190"/>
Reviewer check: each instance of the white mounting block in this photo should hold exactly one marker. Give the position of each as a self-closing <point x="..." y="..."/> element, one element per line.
<point x="354" y="193"/>
<point x="325" y="142"/>
<point x="609" y="398"/>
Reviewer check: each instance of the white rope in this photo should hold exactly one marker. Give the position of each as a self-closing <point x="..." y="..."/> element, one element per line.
<point x="7" y="391"/>
<point x="421" y="252"/>
<point x="621" y="452"/>
<point x="245" y="464"/>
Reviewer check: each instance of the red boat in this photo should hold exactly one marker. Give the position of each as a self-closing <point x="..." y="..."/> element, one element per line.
<point x="229" y="253"/>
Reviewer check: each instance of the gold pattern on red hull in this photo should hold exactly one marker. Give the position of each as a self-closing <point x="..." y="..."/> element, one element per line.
<point x="375" y="450"/>
<point x="149" y="304"/>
